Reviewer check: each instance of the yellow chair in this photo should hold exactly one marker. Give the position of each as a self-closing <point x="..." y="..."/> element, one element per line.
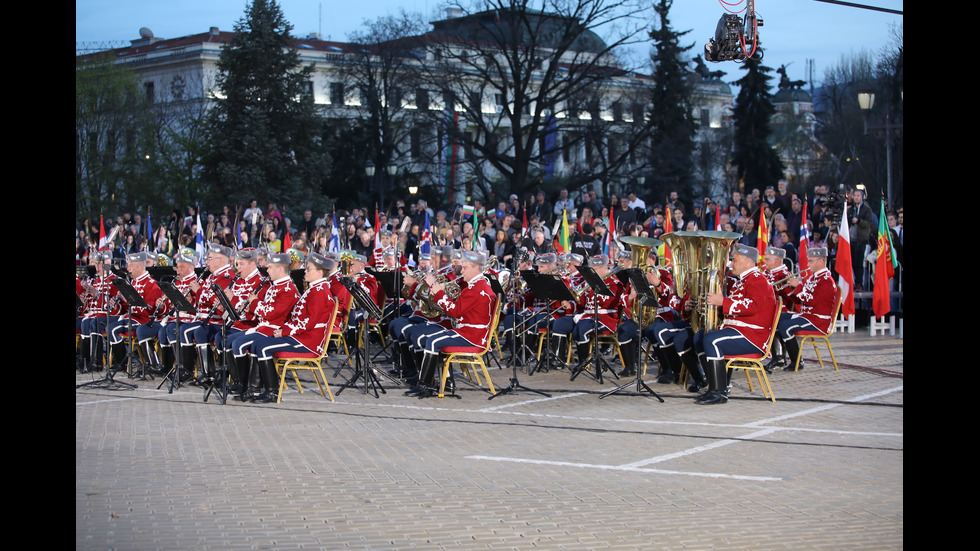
<point x="753" y="362"/>
<point x="470" y="357"/>
<point x="814" y="336"/>
<point x="294" y="362"/>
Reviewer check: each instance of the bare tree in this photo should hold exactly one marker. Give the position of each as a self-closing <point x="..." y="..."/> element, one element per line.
<point x="518" y="91"/>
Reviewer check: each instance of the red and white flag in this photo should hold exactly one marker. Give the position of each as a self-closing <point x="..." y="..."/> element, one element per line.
<point x="845" y="272"/>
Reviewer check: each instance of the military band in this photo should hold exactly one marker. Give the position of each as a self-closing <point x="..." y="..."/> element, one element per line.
<point x="447" y="301"/>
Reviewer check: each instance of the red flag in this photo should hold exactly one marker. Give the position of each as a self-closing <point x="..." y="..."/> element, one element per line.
<point x="845" y="273"/>
<point x="668" y="228"/>
<point x="884" y="269"/>
<point x="762" y="242"/>
<point x="524" y="225"/>
<point x="718" y="217"/>
<point x="286" y="242"/>
<point x="612" y="230"/>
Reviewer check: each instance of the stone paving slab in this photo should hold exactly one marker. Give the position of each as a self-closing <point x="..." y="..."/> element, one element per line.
<point x="821" y="468"/>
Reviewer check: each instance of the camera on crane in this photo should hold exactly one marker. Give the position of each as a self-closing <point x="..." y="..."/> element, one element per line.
<point x="732" y="37"/>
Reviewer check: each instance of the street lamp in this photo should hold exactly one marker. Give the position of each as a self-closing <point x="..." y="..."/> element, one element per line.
<point x="866" y="101"/>
<point x="379" y="184"/>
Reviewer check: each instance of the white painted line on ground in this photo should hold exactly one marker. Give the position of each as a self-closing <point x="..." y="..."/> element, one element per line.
<point x="623" y="468"/>
<point x="525" y="402"/>
<point x="699" y="449"/>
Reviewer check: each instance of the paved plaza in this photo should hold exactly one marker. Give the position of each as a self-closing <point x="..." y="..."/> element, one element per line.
<point x="821" y="468"/>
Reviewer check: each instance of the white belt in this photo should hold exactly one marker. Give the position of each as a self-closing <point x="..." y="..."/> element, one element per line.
<point x="739" y="323"/>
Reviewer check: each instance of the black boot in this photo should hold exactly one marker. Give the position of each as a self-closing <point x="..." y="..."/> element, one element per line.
<point x="427" y="373"/>
<point x="206" y="371"/>
<point x="235" y="369"/>
<point x="98" y="358"/>
<point x="776" y="354"/>
<point x="166" y="359"/>
<point x="582" y="351"/>
<point x="793" y="347"/>
<point x="558" y="347"/>
<point x="410" y="370"/>
<point x="251" y="365"/>
<point x="86" y="348"/>
<point x="270" y="380"/>
<point x="670" y="363"/>
<point x="718" y="384"/>
<point x="188" y="358"/>
<point x="118" y="353"/>
<point x="150" y="353"/>
<point x="695" y="373"/>
<point x="629" y="359"/>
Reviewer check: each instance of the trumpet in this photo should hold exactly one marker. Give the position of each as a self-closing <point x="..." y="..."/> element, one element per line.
<point x="782" y="283"/>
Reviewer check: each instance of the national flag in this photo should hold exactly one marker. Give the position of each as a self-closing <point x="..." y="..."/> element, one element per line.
<point x="103" y="242"/>
<point x="378" y="253"/>
<point x="762" y="241"/>
<point x="287" y="243"/>
<point x="608" y="249"/>
<point x="426" y="246"/>
<point x="334" y="245"/>
<point x="476" y="234"/>
<point x="469" y="210"/>
<point x="668" y="228"/>
<point x="563" y="244"/>
<point x="804" y="238"/>
<point x="524" y="225"/>
<point x="884" y="268"/>
<point x="491" y="213"/>
<point x="845" y="273"/>
<point x="199" y="241"/>
<point x="717" y="217"/>
<point x="149" y="231"/>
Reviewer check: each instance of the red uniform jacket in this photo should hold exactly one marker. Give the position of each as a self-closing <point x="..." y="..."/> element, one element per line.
<point x="147" y="288"/>
<point x="309" y="318"/>
<point x="205" y="296"/>
<point x="750" y="307"/>
<point x="273" y="306"/>
<point x="472" y="312"/>
<point x="241" y="289"/>
<point x="818" y="299"/>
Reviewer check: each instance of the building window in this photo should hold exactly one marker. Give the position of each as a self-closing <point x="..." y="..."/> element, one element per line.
<point x="337" y="93"/>
<point x="150" y="92"/>
<point x="422" y="99"/>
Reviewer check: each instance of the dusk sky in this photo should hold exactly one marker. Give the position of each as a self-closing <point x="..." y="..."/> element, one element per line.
<point x="793" y="30"/>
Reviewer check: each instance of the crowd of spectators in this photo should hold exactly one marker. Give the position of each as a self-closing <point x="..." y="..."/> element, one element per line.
<point x="500" y="230"/>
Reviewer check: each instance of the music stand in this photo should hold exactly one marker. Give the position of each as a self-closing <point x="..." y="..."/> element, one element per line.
<point x="390" y="281"/>
<point x="221" y="371"/>
<point x="514" y="383"/>
<point x="133" y="300"/>
<point x="108" y="381"/>
<point x="550" y="288"/>
<point x="646" y="296"/>
<point x="362" y="369"/>
<point x="599" y="288"/>
<point x="180" y="304"/>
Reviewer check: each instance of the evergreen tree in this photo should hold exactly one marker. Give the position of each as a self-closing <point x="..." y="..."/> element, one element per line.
<point x="672" y="142"/>
<point x="265" y="136"/>
<point x="758" y="163"/>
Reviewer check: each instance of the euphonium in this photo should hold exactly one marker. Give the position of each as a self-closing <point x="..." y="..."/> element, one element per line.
<point x="640" y="249"/>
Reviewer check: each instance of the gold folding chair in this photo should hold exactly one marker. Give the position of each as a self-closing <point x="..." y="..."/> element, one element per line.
<point x="813" y="336"/>
<point x="753" y="362"/>
<point x="293" y="362"/>
<point x="468" y="357"/>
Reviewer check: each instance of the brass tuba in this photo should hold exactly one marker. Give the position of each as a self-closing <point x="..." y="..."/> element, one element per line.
<point x="640" y="250"/>
<point x="700" y="263"/>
